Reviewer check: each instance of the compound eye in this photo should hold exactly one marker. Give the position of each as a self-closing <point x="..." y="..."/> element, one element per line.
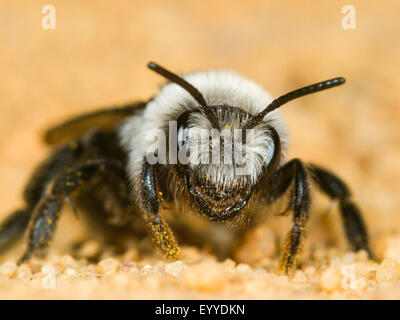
<point x="270" y="154"/>
<point x="183" y="136"/>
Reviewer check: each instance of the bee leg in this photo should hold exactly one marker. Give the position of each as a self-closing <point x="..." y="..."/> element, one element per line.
<point x="149" y="202"/>
<point x="42" y="226"/>
<point x="336" y="189"/>
<point x="294" y="171"/>
<point x="61" y="158"/>
<point x="13" y="227"/>
<point x="46" y="213"/>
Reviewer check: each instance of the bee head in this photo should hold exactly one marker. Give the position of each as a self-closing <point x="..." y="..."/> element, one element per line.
<point x="221" y="167"/>
<point x="224" y="151"/>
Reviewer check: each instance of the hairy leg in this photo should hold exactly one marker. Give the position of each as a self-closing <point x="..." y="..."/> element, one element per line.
<point x="44" y="218"/>
<point x="300" y="204"/>
<point x="13" y="227"/>
<point x="293" y="174"/>
<point x="148" y="201"/>
<point x="94" y="144"/>
<point x="336" y="189"/>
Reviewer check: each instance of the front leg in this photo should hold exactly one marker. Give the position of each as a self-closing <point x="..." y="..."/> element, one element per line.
<point x="300" y="200"/>
<point x="149" y="202"/>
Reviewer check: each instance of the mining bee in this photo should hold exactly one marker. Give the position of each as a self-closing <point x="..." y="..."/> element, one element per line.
<point x="146" y="158"/>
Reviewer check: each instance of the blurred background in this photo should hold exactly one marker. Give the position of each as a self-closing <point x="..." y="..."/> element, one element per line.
<point x="97" y="54"/>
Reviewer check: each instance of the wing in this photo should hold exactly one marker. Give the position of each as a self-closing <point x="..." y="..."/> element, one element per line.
<point x="105" y="119"/>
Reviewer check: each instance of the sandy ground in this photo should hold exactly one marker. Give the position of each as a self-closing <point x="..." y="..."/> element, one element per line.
<point x="96" y="56"/>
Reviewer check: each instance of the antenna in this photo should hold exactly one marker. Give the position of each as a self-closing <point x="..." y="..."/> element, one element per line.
<point x="189" y="88"/>
<point x="252" y="122"/>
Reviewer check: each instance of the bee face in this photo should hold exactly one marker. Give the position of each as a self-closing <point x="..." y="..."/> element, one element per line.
<point x="223" y="166"/>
